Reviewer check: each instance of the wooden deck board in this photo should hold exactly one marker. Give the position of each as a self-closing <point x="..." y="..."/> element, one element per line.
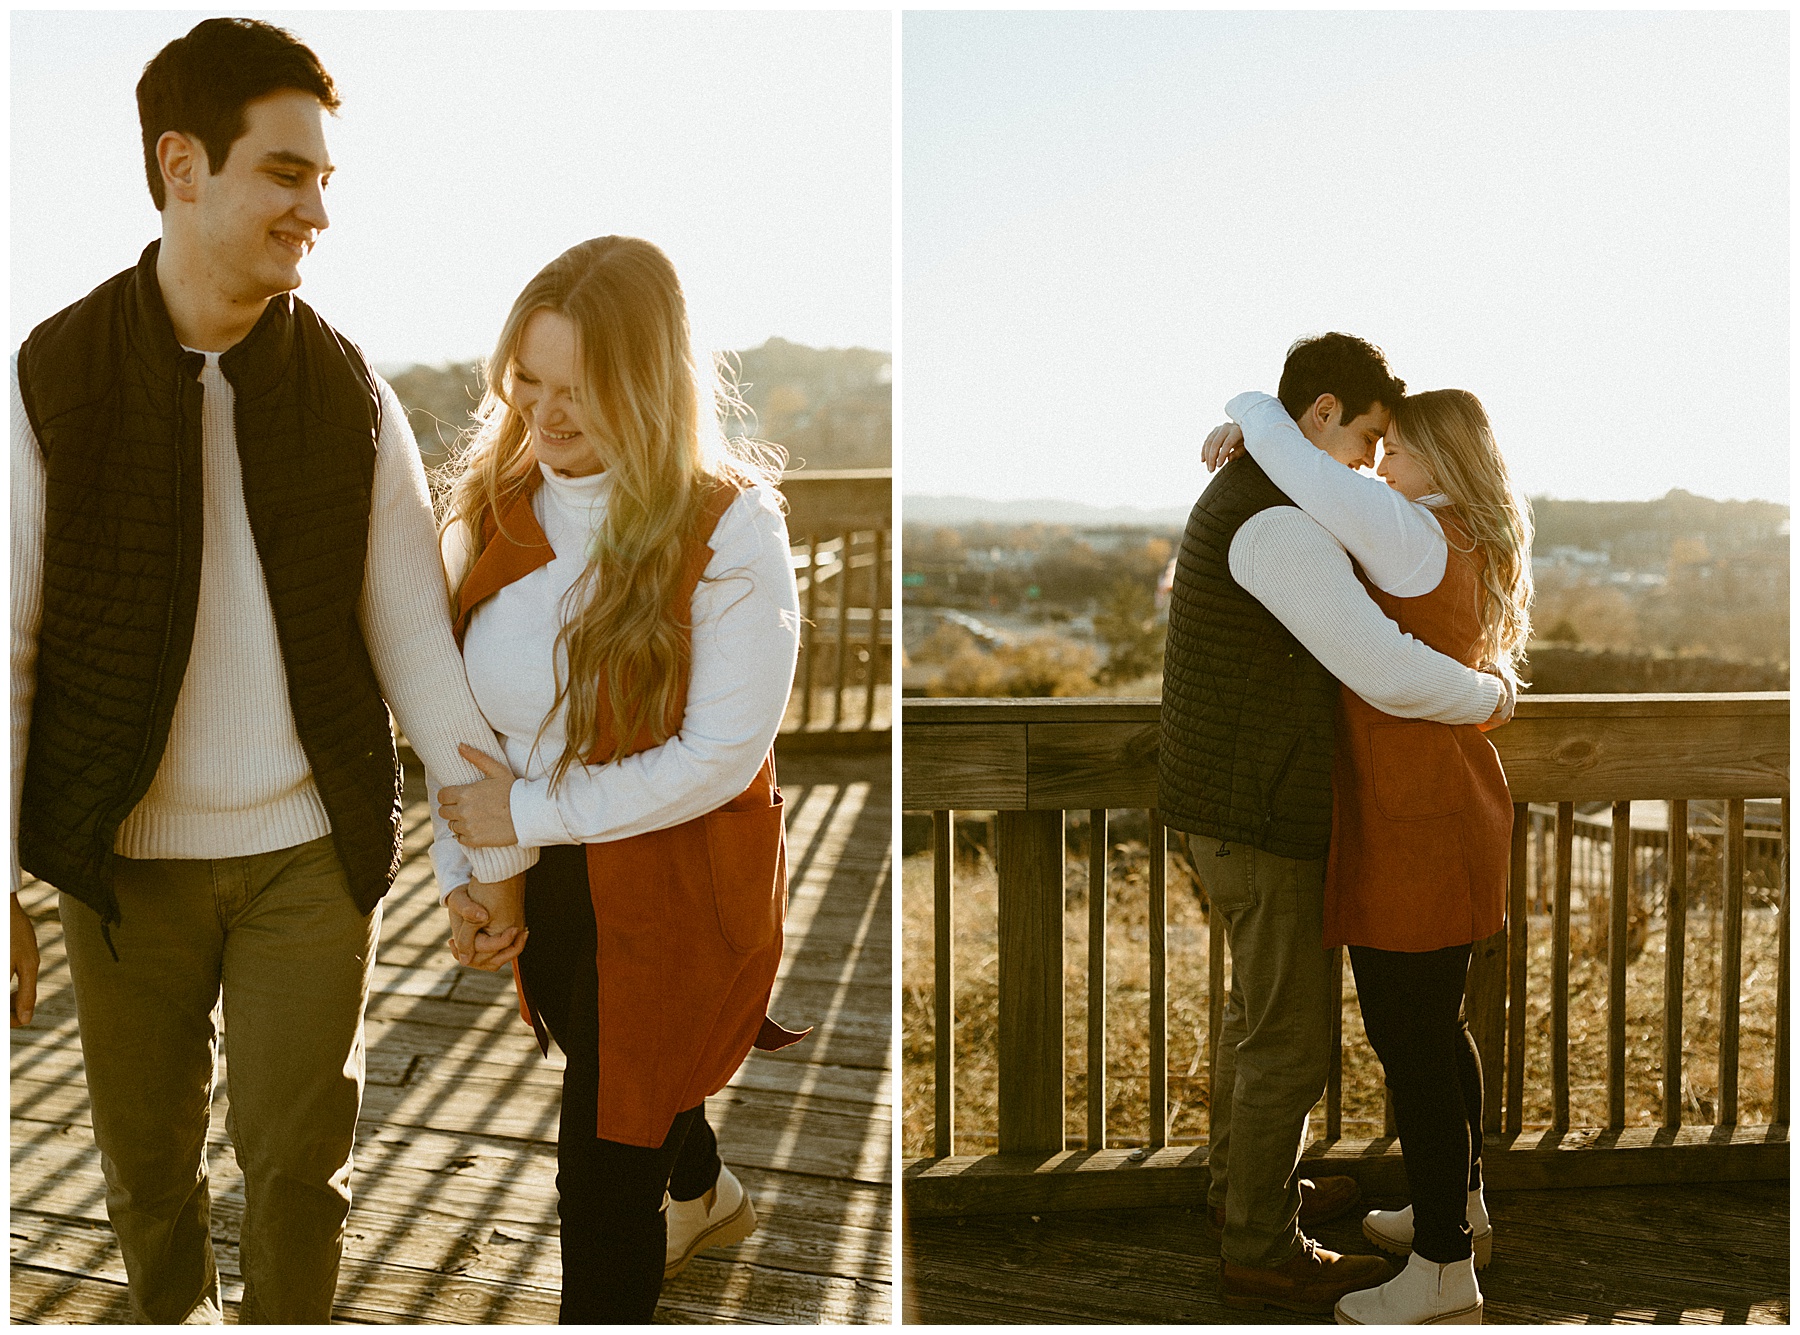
<point x="455" y="1210"/>
<point x="1691" y="1254"/>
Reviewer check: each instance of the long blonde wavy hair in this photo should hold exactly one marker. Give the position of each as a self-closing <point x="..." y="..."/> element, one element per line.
<point x="655" y="419"/>
<point x="1449" y="432"/>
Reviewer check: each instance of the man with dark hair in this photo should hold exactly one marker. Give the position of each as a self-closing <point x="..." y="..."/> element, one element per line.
<point x="1265" y="619"/>
<point x="224" y="572"/>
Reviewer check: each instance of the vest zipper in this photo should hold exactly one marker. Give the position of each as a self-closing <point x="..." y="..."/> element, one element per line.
<point x="162" y="660"/>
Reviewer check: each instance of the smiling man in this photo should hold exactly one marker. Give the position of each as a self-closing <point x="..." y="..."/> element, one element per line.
<point x="224" y="573"/>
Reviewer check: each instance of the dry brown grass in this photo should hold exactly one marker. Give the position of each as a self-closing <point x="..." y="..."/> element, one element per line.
<point x="1187" y="942"/>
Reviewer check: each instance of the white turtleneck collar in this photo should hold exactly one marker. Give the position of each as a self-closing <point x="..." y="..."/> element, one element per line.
<point x="578" y="493"/>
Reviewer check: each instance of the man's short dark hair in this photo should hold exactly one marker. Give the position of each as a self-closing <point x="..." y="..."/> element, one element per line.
<point x="1351" y="369"/>
<point x="200" y="84"/>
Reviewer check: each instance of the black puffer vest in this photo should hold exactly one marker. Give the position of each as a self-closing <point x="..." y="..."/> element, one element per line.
<point x="1247" y="712"/>
<point x="115" y="403"/>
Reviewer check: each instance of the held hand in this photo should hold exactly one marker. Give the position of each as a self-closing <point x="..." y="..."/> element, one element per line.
<point x="24" y="965"/>
<point x="1223" y="444"/>
<point x="487" y="922"/>
<point x="1509" y="700"/>
<point x="480" y="813"/>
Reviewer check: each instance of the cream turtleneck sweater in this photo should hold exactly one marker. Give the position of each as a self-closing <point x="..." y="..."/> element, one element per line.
<point x="746" y="635"/>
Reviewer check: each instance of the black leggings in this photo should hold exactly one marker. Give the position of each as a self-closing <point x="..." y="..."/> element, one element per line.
<point x="1412" y="1012"/>
<point x="609" y="1195"/>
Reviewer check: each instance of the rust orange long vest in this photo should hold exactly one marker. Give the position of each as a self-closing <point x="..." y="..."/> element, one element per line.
<point x="1421" y="821"/>
<point x="688" y="918"/>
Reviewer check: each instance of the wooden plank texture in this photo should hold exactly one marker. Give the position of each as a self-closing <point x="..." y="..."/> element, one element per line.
<point x="1030" y="975"/>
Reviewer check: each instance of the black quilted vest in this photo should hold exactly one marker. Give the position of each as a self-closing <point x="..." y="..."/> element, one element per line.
<point x="115" y="403"/>
<point x="1247" y="712"/>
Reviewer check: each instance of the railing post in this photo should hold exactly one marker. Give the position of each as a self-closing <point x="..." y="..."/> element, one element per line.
<point x="1674" y="962"/>
<point x="1782" y="991"/>
<point x="1616" y="951"/>
<point x="943" y="857"/>
<point x="1215" y="1008"/>
<point x="1159" y="989"/>
<point x="1518" y="919"/>
<point x="1096" y="1005"/>
<point x="843" y="633"/>
<point x="1029" y="862"/>
<point x="877" y="587"/>
<point x="1559" y="968"/>
<point x="1731" y="970"/>
<point x="1486" y="1011"/>
<point x="809" y="639"/>
<point x="1334" y="1077"/>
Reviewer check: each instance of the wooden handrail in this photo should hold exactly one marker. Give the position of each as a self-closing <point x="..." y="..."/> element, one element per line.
<point x="1032" y="760"/>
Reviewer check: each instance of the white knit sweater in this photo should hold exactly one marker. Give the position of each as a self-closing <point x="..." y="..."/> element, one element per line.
<point x="233" y="779"/>
<point x="746" y="633"/>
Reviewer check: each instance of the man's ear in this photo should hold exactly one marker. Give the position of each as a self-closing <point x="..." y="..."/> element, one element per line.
<point x="1322" y="409"/>
<point x="182" y="160"/>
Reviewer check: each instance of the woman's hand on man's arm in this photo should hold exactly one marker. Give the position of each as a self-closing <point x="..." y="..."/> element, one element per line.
<point x="480" y="813"/>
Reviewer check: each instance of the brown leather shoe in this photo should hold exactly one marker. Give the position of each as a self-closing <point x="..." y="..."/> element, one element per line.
<point x="1321" y="1199"/>
<point x="1311" y="1282"/>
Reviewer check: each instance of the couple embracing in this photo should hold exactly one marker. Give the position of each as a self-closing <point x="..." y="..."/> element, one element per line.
<point x="1338" y="645"/>
<point x="227" y="572"/>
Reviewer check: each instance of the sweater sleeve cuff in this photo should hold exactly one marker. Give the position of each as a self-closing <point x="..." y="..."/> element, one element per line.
<point x="500" y="864"/>
<point x="536" y="820"/>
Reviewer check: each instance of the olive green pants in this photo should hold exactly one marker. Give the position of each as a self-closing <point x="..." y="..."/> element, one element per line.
<point x="277" y="935"/>
<point x="1274" y="1042"/>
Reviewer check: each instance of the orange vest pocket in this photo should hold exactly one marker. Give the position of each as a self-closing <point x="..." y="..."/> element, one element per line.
<point x="748" y="873"/>
<point x="1415" y="767"/>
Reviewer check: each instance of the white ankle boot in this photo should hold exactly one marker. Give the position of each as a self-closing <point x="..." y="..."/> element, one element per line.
<point x="1425" y="1293"/>
<point x="1392" y="1230"/>
<point x="721" y="1217"/>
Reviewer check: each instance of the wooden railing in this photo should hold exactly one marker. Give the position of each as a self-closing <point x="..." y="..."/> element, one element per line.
<point x="1031" y="761"/>
<point x="841" y="526"/>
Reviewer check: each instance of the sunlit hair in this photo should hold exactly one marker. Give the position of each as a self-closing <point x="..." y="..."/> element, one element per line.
<point x="653" y="414"/>
<point x="1448" y="432"/>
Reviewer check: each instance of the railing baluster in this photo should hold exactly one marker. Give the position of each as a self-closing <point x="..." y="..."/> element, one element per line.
<point x="843" y="633"/>
<point x="1781" y="975"/>
<point x="1732" y="963"/>
<point x="808" y="649"/>
<point x="1215" y="1006"/>
<point x="1617" y="949"/>
<point x="1517" y="930"/>
<point x="1559" y="968"/>
<point x="877" y="586"/>
<point x="1159" y="983"/>
<point x="943" y="856"/>
<point x="1485" y="1009"/>
<point x="1674" y="962"/>
<point x="1334" y="1079"/>
<point x="1029" y="863"/>
<point x="1096" y="1004"/>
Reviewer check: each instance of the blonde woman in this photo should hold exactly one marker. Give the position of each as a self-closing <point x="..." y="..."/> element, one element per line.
<point x="1421" y="815"/>
<point x="628" y="620"/>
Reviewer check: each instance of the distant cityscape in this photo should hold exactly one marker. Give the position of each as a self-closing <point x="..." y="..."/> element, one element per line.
<point x="1681" y="593"/>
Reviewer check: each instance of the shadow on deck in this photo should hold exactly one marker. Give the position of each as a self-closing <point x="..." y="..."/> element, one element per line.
<point x="455" y="1205"/>
<point x="1702" y="1254"/>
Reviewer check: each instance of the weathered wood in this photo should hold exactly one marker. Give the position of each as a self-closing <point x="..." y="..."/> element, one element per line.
<point x="1536" y="1160"/>
<point x="842" y="607"/>
<point x="1098" y="848"/>
<point x="1157" y="927"/>
<point x="1518" y="930"/>
<point x="808" y="652"/>
<point x="1675" y="962"/>
<point x="1782" y="993"/>
<point x="1485" y="1008"/>
<point x="1029" y="865"/>
<point x="943" y="935"/>
<point x="1568" y="748"/>
<point x="1215" y="1012"/>
<point x="823" y="500"/>
<point x="1617" y="948"/>
<point x="968" y="766"/>
<point x="1699" y="1254"/>
<point x="1559" y="969"/>
<point x="1334" y="1075"/>
<point x="1731" y="963"/>
<point x="877" y="590"/>
<point x="1078" y="765"/>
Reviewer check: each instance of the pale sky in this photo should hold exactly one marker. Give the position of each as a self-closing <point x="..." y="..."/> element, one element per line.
<point x="472" y="147"/>
<point x="1114" y="222"/>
